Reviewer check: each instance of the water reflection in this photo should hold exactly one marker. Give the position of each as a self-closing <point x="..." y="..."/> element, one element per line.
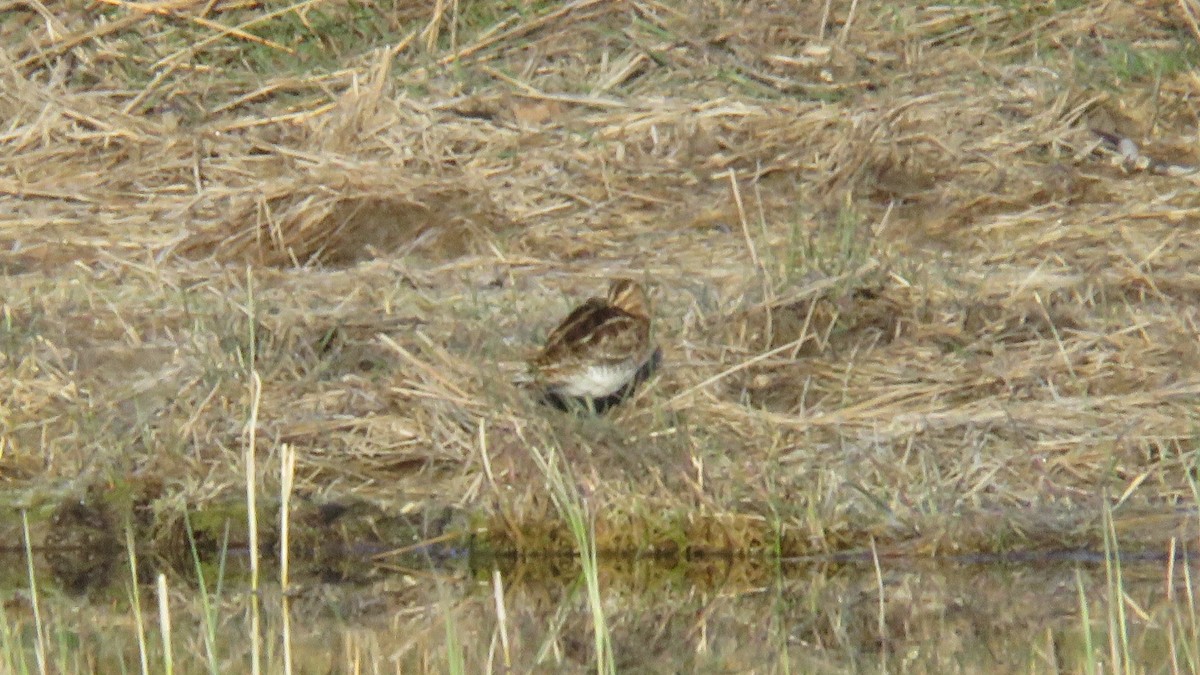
<point x="715" y="615"/>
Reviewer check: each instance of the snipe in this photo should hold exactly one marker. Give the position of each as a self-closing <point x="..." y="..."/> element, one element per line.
<point x="601" y="352"/>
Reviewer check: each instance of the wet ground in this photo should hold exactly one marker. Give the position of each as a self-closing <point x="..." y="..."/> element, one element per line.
<point x="1049" y="614"/>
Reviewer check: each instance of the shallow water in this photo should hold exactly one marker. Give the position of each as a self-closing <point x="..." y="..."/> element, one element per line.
<point x="714" y="615"/>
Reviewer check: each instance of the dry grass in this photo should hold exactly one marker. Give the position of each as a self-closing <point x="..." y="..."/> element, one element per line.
<point x="903" y="294"/>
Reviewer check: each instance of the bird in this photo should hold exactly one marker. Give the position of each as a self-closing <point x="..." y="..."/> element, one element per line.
<point x="600" y="353"/>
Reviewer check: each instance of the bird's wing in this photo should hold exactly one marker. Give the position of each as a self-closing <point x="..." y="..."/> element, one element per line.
<point x="604" y="333"/>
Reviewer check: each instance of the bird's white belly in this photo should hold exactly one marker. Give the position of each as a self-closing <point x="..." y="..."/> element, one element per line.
<point x="598" y="381"/>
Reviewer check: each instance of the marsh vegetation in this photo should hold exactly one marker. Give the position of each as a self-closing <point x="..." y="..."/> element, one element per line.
<point x="914" y="312"/>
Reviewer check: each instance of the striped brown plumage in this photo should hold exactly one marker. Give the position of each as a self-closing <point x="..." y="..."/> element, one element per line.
<point x="601" y="350"/>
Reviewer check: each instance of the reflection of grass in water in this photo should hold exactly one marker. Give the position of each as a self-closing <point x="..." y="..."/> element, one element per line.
<point x="207" y="602"/>
<point x="135" y="601"/>
<point x="1085" y="615"/>
<point x="1111" y="640"/>
<point x="1118" y="624"/>
<point x="34" y="598"/>
<point x="581" y="522"/>
<point x="830" y="618"/>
